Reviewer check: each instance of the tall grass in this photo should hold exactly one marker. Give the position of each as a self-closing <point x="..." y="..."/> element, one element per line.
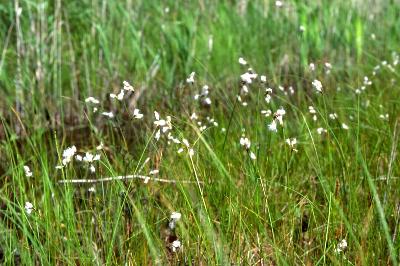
<point x="284" y="207"/>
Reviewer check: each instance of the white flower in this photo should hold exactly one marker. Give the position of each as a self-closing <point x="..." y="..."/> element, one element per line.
<point x="28" y="172"/>
<point x="263" y="78"/>
<point x="384" y="116"/>
<point x="302" y="28"/>
<point x="312" y="66"/>
<point x="193" y="116"/>
<point x="92" y="169"/>
<point x="321" y="130"/>
<point x="92" y="100"/>
<point x="252" y="156"/>
<point x="242" y="61"/>
<point x="207" y="101"/>
<point x="137" y="114"/>
<point x="272" y="126"/>
<point x="344" y="126"/>
<point x="92" y="189"/>
<point x="108" y="114"/>
<point x="154" y="172"/>
<point x="28" y="207"/>
<point x="266" y="113"/>
<point x="120" y="95"/>
<point x="210" y="43"/>
<point x="67" y="155"/>
<point x="190" y="79"/>
<point x="245" y="142"/>
<point x="127" y="86"/>
<point x="176" y="245"/>
<point x="317" y="85"/>
<point x="333" y="116"/>
<point x="278" y="3"/>
<point x="341" y="246"/>
<point x="176" y="216"/>
<point x="292" y="143"/>
<point x="311" y="110"/>
<point x="100" y="147"/>
<point x="248" y="77"/>
<point x="78" y="158"/>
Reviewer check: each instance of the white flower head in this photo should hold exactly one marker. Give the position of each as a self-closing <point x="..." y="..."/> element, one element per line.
<point x="242" y="61"/>
<point x="27" y="170"/>
<point x="137" y="114"/>
<point x="273" y="126"/>
<point x="190" y="79"/>
<point x="317" y="85"/>
<point x="108" y="114"/>
<point x="278" y="3"/>
<point x="92" y="100"/>
<point x="248" y="77"/>
<point x="342" y="246"/>
<point x="127" y="86"/>
<point x="344" y="126"/>
<point x="176" y="245"/>
<point x="28" y="207"/>
<point x="245" y="142"/>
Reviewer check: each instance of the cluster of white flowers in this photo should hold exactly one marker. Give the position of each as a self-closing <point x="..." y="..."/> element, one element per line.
<point x="367" y="82"/>
<point x="246" y="144"/>
<point x="137" y="114"/>
<point x="203" y="96"/>
<point x="120" y="96"/>
<point x="27" y="171"/>
<point x="67" y="155"/>
<point x="89" y="158"/>
<point x="317" y="85"/>
<point x="321" y="130"/>
<point x="333" y="116"/>
<point x="278" y="116"/>
<point x="174" y="218"/>
<point x="384" y="116"/>
<point x="28" y="207"/>
<point x="341" y="246"/>
<point x="186" y="145"/>
<point x="190" y="79"/>
<point x="313" y="112"/>
<point x="292" y="143"/>
<point x="328" y="67"/>
<point x="163" y="125"/>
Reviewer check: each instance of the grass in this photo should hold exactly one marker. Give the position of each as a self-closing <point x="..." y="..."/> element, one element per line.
<point x="285" y="207"/>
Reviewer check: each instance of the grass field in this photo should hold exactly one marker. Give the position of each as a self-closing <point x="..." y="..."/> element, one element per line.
<point x="199" y="132"/>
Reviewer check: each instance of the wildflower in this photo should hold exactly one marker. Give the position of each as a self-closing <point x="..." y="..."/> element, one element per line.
<point x="263" y="78"/>
<point x="92" y="168"/>
<point x="248" y="77"/>
<point x="154" y="172"/>
<point x="279" y="115"/>
<point x="292" y="143"/>
<point x="311" y="66"/>
<point x="108" y="114"/>
<point x="266" y="113"/>
<point x="67" y="155"/>
<point x="242" y="61"/>
<point x="176" y="245"/>
<point x="272" y="126"/>
<point x="278" y="3"/>
<point x="333" y="116"/>
<point x="321" y="130"/>
<point x="92" y="100"/>
<point x="89" y="158"/>
<point x="302" y="28"/>
<point x="194" y="116"/>
<point x="92" y="189"/>
<point x="100" y="147"/>
<point x="342" y="246"/>
<point x="119" y="97"/>
<point x="190" y="79"/>
<point x="127" y="86"/>
<point x="163" y="124"/>
<point x="137" y="114"/>
<point x="245" y="142"/>
<point x="28" y="172"/>
<point x="328" y="68"/>
<point x="344" y="126"/>
<point x="175" y="217"/>
<point x="28" y="207"/>
<point x="252" y="156"/>
<point x="207" y="101"/>
<point x="317" y="85"/>
<point x="384" y="116"/>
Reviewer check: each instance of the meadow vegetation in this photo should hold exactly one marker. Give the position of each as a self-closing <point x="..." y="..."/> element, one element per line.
<point x="202" y="132"/>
